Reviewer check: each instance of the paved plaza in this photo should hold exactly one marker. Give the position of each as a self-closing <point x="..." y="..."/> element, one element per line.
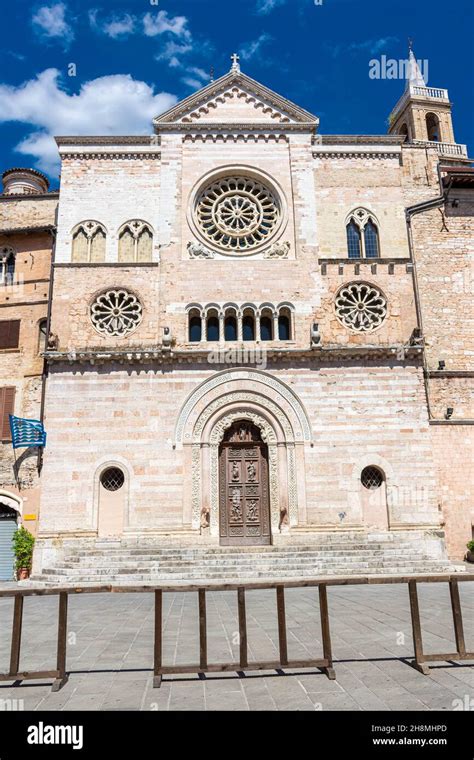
<point x="110" y="652"/>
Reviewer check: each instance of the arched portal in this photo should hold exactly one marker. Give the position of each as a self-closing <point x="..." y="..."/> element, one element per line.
<point x="273" y="407"/>
<point x="244" y="496"/>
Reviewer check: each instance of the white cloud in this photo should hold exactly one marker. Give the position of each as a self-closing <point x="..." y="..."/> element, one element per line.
<point x="172" y="52"/>
<point x="15" y="55"/>
<point x="193" y="84"/>
<point x="196" y="78"/>
<point x="162" y="23"/>
<point x="50" y="23"/>
<point x="109" y="105"/>
<point x="251" y="49"/>
<point x="267" y="6"/>
<point x="369" y="46"/>
<point x="115" y="26"/>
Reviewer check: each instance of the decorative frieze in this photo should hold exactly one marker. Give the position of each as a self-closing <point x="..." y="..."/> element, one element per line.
<point x="358" y="154"/>
<point x="110" y="156"/>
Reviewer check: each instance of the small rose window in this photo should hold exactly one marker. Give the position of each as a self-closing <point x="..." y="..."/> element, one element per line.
<point x="361" y="307"/>
<point x="116" y="313"/>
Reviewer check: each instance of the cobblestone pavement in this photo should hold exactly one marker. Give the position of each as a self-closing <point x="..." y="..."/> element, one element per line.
<point x="110" y="652"/>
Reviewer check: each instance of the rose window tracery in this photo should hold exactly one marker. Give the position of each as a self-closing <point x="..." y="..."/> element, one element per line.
<point x="116" y="313"/>
<point x="238" y="213"/>
<point x="361" y="307"/>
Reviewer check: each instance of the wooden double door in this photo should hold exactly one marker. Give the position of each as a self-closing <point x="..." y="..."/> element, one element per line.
<point x="244" y="498"/>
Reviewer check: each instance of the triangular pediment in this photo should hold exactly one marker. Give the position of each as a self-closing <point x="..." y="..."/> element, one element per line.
<point x="236" y="99"/>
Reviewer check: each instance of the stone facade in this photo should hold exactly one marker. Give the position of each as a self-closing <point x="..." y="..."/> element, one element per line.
<point x="152" y="400"/>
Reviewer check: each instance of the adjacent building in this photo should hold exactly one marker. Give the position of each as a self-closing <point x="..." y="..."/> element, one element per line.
<point x="27" y="230"/>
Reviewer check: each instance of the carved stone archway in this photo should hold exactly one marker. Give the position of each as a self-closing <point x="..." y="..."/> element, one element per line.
<point x="277" y="411"/>
<point x="205" y="470"/>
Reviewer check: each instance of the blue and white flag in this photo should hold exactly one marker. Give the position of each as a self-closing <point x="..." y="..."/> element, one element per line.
<point x="27" y="433"/>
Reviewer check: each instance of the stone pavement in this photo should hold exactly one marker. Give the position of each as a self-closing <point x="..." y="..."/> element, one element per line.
<point x="110" y="652"/>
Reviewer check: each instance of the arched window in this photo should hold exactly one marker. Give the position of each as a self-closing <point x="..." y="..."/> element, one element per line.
<point x="135" y="242"/>
<point x="371" y="240"/>
<point x="230" y="327"/>
<point x="88" y="243"/>
<point x="373" y="493"/>
<point x="433" y="128"/>
<point x="7" y="265"/>
<point x="266" y="326"/>
<point x="42" y="327"/>
<point x="284" y="325"/>
<point x="113" y="500"/>
<point x="404" y="131"/>
<point x="353" y="241"/>
<point x="213" y="328"/>
<point x="362" y="235"/>
<point x="195" y="326"/>
<point x="248" y="326"/>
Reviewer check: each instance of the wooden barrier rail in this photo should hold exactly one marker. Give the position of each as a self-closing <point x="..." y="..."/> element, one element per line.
<point x="325" y="664"/>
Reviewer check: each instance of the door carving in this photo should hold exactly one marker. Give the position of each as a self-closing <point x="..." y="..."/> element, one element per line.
<point x="243" y="487"/>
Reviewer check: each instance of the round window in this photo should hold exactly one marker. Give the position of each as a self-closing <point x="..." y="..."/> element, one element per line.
<point x="112" y="479"/>
<point x="237" y="213"/>
<point x="361" y="307"/>
<point x="371" y="478"/>
<point x="116" y="313"/>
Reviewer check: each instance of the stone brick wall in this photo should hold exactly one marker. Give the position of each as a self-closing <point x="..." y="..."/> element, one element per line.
<point x="453" y="448"/>
<point x="359" y="415"/>
<point x="27" y="211"/>
<point x="109" y="191"/>
<point x="444" y="250"/>
<point x="346" y="183"/>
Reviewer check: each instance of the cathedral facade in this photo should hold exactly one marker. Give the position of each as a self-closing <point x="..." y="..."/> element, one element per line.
<point x="259" y="335"/>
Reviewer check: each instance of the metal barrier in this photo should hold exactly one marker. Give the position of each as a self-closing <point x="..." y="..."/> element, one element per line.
<point x="325" y="664"/>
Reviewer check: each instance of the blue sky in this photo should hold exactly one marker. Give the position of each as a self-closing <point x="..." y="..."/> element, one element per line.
<point x="132" y="59"/>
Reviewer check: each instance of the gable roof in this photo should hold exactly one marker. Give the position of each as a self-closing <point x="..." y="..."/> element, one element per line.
<point x="195" y="106"/>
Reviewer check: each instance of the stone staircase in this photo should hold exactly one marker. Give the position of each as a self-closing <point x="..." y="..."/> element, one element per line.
<point x="131" y="564"/>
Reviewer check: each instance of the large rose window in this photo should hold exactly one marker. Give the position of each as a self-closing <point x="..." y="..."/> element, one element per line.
<point x="237" y="214"/>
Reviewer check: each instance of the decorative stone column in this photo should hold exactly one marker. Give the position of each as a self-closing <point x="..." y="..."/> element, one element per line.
<point x="275" y="326"/>
<point x="283" y="478"/>
<point x="221" y="327"/>
<point x="240" y="329"/>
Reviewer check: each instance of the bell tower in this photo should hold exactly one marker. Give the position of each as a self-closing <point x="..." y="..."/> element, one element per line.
<point x="423" y="114"/>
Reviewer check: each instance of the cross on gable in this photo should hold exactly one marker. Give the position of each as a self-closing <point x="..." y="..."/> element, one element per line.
<point x="235" y="58"/>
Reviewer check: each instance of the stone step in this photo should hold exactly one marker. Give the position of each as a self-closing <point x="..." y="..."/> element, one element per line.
<point x="301" y="570"/>
<point x="147" y="551"/>
<point x="246" y="559"/>
<point x="237" y="556"/>
<point x="103" y="562"/>
<point x="238" y="566"/>
<point x="139" y="579"/>
<point x="234" y="557"/>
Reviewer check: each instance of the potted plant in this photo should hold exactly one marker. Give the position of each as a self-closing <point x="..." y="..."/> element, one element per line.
<point x="470" y="552"/>
<point x="23" y="543"/>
